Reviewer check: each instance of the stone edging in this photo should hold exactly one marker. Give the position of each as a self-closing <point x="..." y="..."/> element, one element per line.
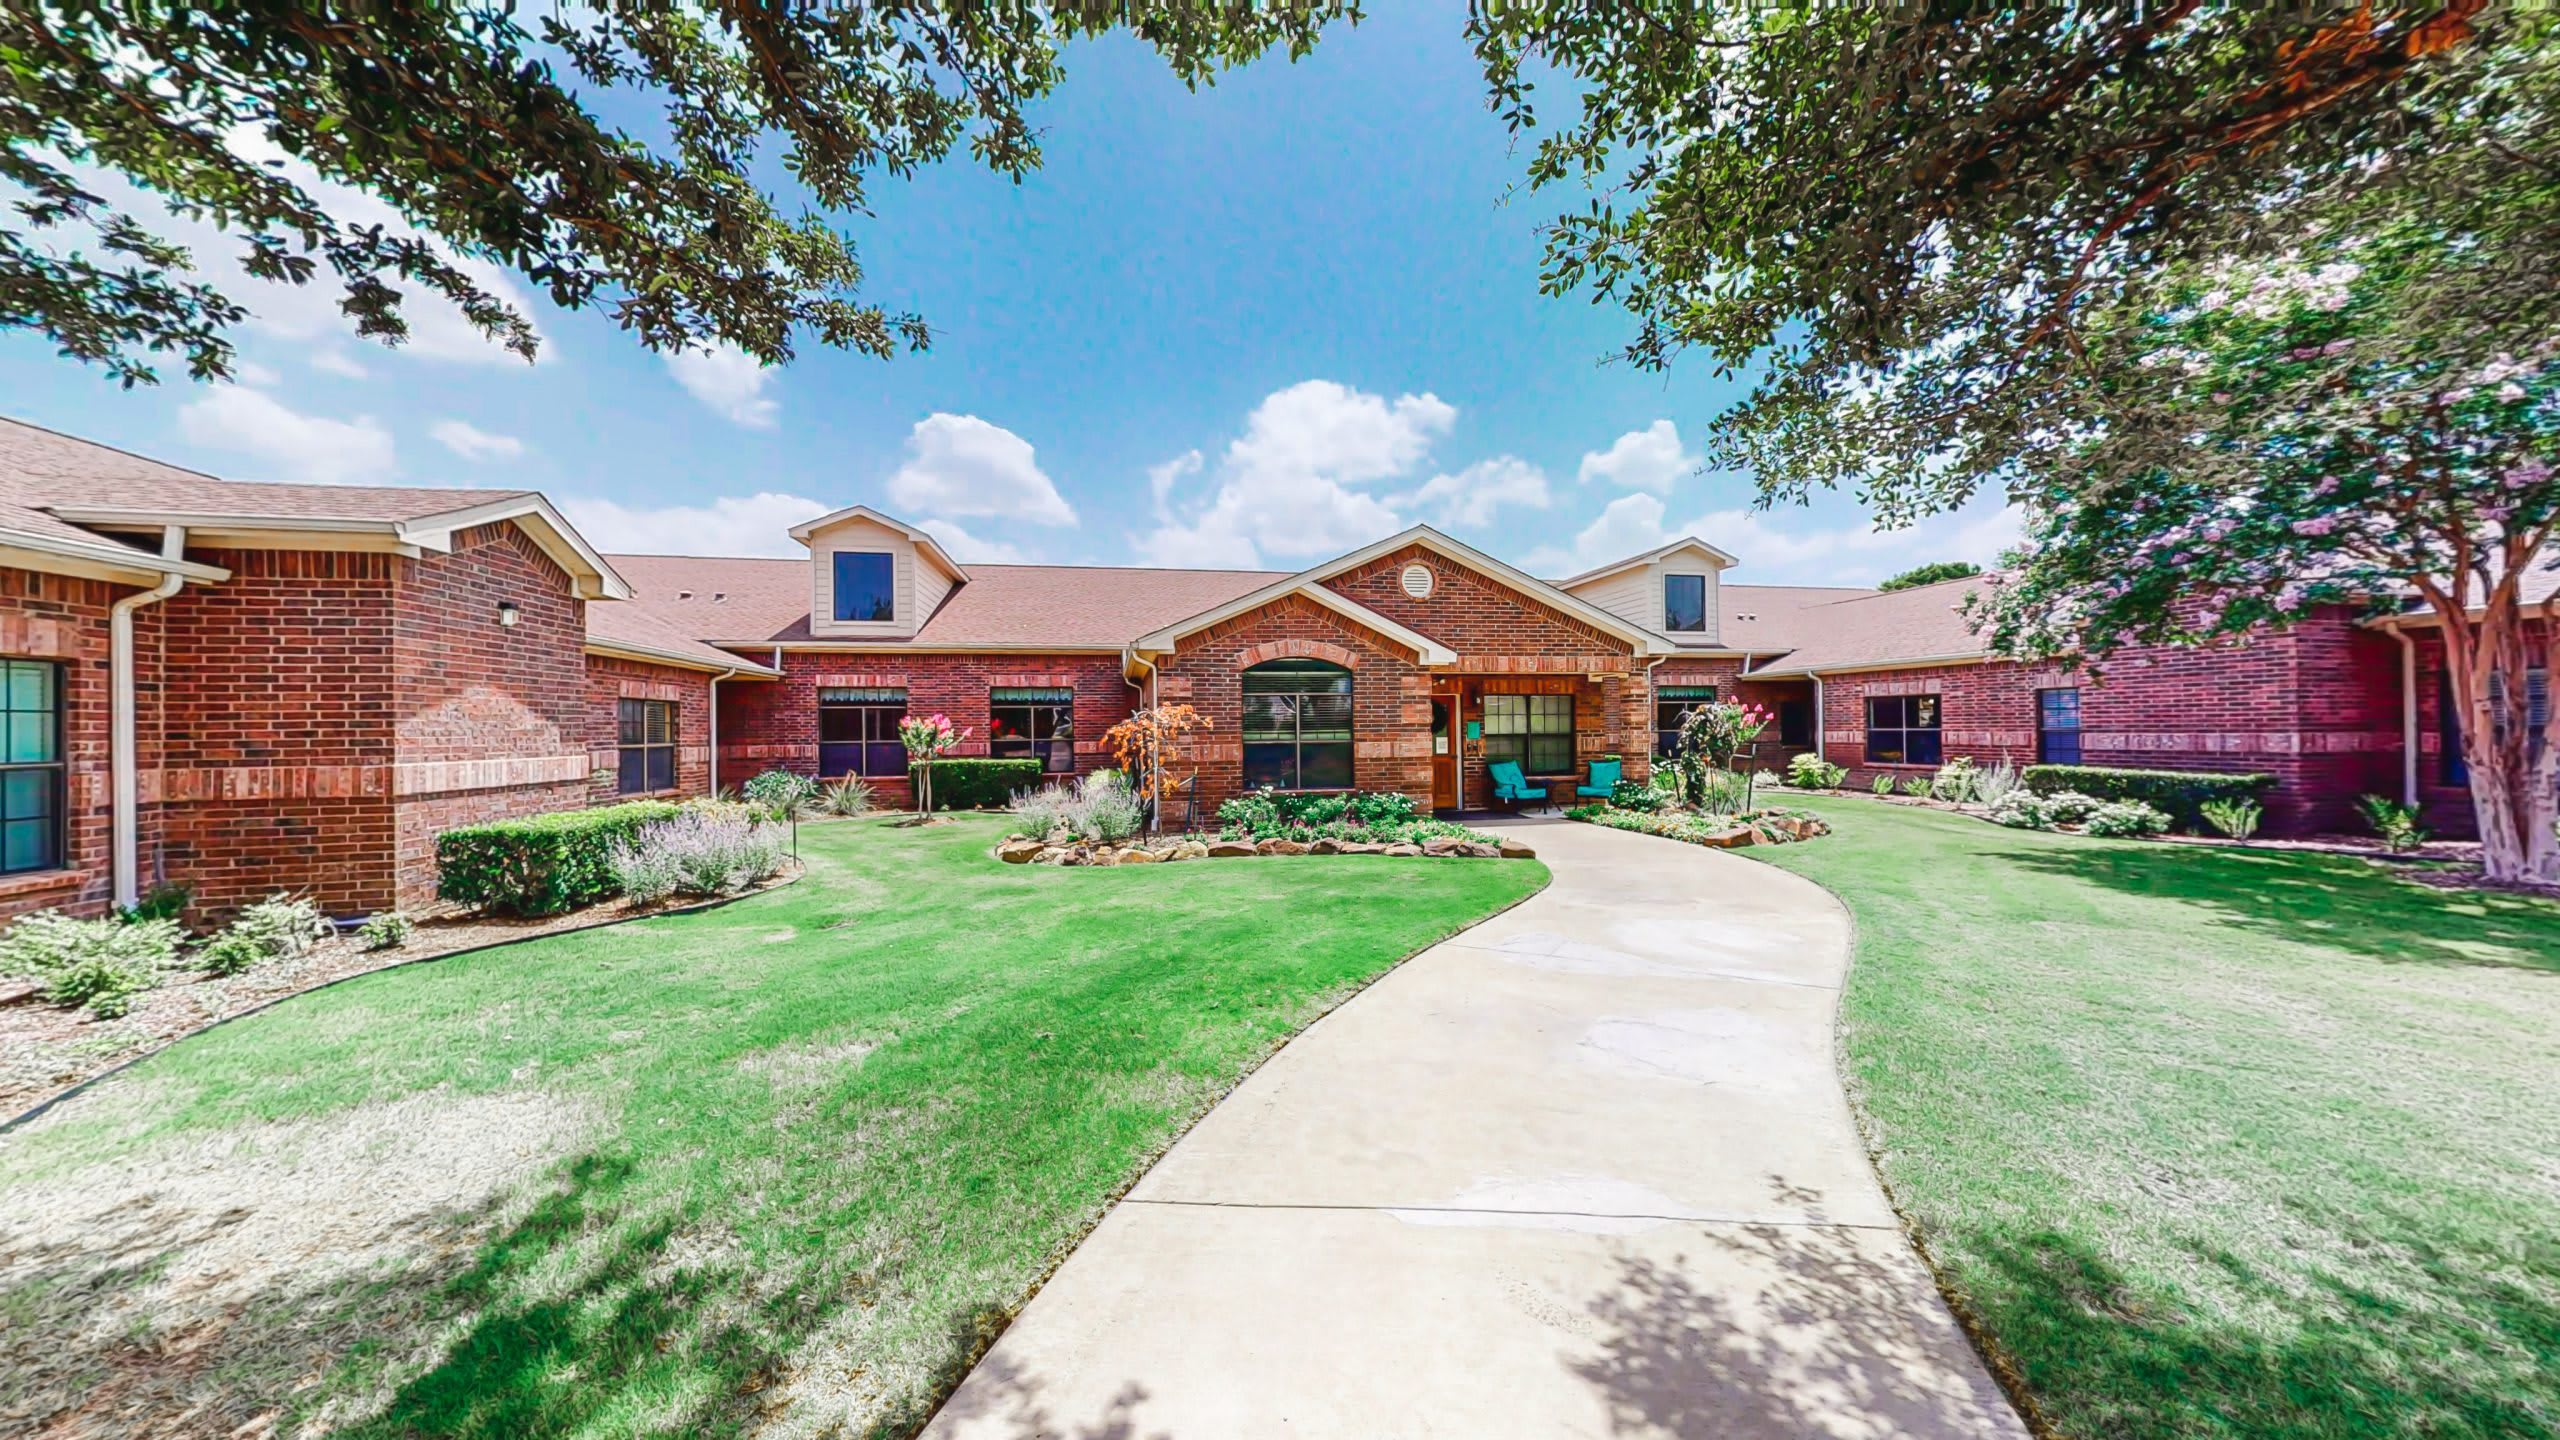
<point x="47" y="1103"/>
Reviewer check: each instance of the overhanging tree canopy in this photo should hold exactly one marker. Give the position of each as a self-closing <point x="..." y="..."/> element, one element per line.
<point x="470" y="122"/>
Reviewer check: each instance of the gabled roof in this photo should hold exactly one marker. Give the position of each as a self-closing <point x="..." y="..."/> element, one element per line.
<point x="84" y="484"/>
<point x="1644" y="641"/>
<point x="923" y="539"/>
<point x="1003" y="607"/>
<point x="1685" y="542"/>
<point x="1426" y="650"/>
<point x="627" y="629"/>
<point x="1918" y="626"/>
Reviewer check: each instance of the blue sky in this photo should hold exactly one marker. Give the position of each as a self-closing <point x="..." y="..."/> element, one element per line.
<point x="1257" y="325"/>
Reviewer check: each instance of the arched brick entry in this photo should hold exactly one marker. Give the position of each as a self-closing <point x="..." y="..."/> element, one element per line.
<point x="1253" y="655"/>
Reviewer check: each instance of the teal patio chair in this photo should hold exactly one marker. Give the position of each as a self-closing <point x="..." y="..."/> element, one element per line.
<point x="1604" y="779"/>
<point x="1509" y="785"/>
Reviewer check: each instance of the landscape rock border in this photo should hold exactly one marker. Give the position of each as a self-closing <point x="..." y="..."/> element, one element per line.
<point x="1021" y="849"/>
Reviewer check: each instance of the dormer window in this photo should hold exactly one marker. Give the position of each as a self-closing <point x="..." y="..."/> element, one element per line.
<point x="866" y="585"/>
<point x="1684" y="603"/>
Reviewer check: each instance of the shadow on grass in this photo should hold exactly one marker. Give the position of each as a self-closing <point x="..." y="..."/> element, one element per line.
<point x="2333" y="900"/>
<point x="2318" y="1359"/>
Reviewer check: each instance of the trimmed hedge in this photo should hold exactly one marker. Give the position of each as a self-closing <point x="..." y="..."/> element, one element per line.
<point x="978" y="783"/>
<point x="2181" y="793"/>
<point x="540" y="864"/>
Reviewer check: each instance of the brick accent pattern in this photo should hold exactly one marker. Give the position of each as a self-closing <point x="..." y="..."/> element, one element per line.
<point x="610" y="681"/>
<point x="1390" y="695"/>
<point x="767" y="724"/>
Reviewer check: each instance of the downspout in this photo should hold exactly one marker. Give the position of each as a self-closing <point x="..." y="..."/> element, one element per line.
<point x="715" y="727"/>
<point x="122" y="763"/>
<point x="2408" y="715"/>
<point x="1821" y="718"/>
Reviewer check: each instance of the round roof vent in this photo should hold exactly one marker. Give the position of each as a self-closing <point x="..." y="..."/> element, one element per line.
<point x="1417" y="581"/>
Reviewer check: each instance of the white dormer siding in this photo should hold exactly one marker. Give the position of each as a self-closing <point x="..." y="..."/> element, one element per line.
<point x="1633" y="590"/>
<point x="920" y="574"/>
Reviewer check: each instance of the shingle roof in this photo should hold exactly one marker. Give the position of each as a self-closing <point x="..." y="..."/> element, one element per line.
<point x="628" y="625"/>
<point x="1921" y="623"/>
<point x="45" y="468"/>
<point x="1769" y="619"/>
<point x="1070" y="606"/>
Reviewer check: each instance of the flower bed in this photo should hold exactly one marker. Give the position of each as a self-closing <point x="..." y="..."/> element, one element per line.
<point x="1767" y="826"/>
<point x="1063" y="849"/>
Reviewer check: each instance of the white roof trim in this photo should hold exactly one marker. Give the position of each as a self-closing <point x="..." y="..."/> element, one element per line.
<point x="738" y="664"/>
<point x="595" y="579"/>
<point x="1646" y="642"/>
<point x="922" y="538"/>
<point x="105" y="555"/>
<point x="1915" y="662"/>
<point x="1685" y="542"/>
<point x="1426" y="649"/>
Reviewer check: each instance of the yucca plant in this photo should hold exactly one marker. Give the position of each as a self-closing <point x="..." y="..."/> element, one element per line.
<point x="2236" y="818"/>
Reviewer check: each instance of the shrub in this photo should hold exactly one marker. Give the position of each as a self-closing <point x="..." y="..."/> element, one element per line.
<point x="1637" y="795"/>
<point x="280" y="926"/>
<point x="541" y="864"/>
<point x="2069" y="807"/>
<point x="1719" y="730"/>
<point x="979" y="783"/>
<point x="2021" y="809"/>
<point x="2181" y="793"/>
<point x="2396" y="823"/>
<point x="697" y="854"/>
<point x="102" y="964"/>
<point x="1041" y="810"/>
<point x="384" y="930"/>
<point x="1723" y="792"/>
<point x="230" y="953"/>
<point x="1382" y="816"/>
<point x="1916" y="786"/>
<point x="781" y="793"/>
<point x="1811" y="772"/>
<point x="1882" y="785"/>
<point x="2236" y="818"/>
<point x="1994" y="781"/>
<point x="1771" y="779"/>
<point x="848" y="796"/>
<point x="1103" y="807"/>
<point x="165" y="902"/>
<point x="2125" y="819"/>
<point x="1954" y="781"/>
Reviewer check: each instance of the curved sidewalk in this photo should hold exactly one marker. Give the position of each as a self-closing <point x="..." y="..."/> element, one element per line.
<point x="1584" y="1170"/>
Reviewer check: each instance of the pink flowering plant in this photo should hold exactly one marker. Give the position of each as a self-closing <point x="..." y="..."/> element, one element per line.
<point x="927" y="739"/>
<point x="2371" y="420"/>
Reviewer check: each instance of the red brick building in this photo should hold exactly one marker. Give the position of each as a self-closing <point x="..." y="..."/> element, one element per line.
<point x="248" y="688"/>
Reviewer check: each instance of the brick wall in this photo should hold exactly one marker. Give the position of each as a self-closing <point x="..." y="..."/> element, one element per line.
<point x="612" y="680"/>
<point x="768" y="724"/>
<point x="62" y="619"/>
<point x="1390" y="695"/>
<point x="2312" y="706"/>
<point x="2446" y="805"/>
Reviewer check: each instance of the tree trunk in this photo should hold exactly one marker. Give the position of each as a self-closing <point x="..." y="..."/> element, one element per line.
<point x="2512" y="786"/>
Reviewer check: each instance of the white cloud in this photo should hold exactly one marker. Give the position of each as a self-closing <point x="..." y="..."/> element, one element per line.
<point x="336" y="361"/>
<point x="291" y="445"/>
<point x="1162" y="478"/>
<point x="1774" y="553"/>
<point x="962" y="465"/>
<point x="1285" y="486"/>
<point x="729" y="380"/>
<point x="1648" y="459"/>
<point x="309" y="312"/>
<point x="757" y="524"/>
<point x="250" y="372"/>
<point x="1471" y="496"/>
<point x="473" y="443"/>
<point x="971" y="549"/>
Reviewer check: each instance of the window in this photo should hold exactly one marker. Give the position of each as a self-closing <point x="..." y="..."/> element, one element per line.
<point x="1297" y="725"/>
<point x="648" y="747"/>
<point x="866" y="585"/>
<point x="858" y="732"/>
<point x="1039" y="724"/>
<point x="31" y="766"/>
<point x="2537" y="714"/>
<point x="1684" y="602"/>
<point x="1535" y="730"/>
<point x="1671" y="707"/>
<point x="1902" y="730"/>
<point x="2058" y="726"/>
<point x="1795" y="724"/>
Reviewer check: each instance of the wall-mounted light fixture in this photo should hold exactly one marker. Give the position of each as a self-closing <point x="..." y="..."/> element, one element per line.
<point x="508" y="613"/>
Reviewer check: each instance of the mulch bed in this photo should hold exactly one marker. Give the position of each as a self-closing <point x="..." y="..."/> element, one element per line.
<point x="46" y="1050"/>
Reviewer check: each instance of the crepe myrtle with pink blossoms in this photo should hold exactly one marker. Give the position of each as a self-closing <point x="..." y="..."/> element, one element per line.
<point x="927" y="740"/>
<point x="2372" y="419"/>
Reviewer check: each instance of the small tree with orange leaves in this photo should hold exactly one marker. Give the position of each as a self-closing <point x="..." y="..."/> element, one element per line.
<point x="1143" y="744"/>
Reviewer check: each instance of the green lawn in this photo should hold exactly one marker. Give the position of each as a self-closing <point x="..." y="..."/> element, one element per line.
<point x="2214" y="1142"/>
<point x="781" y="1166"/>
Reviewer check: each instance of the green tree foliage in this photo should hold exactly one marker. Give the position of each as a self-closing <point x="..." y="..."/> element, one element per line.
<point x="1931" y="574"/>
<point x="1902" y="214"/>
<point x="476" y="124"/>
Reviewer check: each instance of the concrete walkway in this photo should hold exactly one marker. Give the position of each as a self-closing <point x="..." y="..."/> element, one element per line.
<point x="1585" y="1170"/>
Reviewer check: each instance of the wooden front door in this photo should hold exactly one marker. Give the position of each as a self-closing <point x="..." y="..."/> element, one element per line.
<point x="1444" y="752"/>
